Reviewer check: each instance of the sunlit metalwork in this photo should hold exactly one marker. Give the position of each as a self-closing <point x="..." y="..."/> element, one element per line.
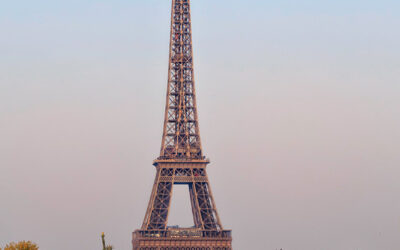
<point x="181" y="160"/>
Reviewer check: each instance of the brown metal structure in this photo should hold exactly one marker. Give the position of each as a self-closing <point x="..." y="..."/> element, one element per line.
<point x="181" y="160"/>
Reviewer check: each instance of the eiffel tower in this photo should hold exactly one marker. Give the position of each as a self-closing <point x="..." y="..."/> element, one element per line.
<point x="181" y="161"/>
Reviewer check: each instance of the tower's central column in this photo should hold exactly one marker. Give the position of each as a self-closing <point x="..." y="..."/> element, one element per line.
<point x="181" y="135"/>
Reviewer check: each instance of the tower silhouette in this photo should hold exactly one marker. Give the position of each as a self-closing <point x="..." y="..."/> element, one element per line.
<point x="181" y="159"/>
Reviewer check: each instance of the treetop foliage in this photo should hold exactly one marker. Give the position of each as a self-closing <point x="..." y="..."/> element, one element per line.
<point x="22" y="245"/>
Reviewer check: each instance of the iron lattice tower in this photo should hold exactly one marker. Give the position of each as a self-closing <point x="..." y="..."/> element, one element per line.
<point x="181" y="159"/>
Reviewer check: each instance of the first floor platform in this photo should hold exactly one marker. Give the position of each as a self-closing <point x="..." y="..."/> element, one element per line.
<point x="182" y="239"/>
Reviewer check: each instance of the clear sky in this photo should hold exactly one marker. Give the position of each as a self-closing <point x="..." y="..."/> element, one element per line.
<point x="299" y="106"/>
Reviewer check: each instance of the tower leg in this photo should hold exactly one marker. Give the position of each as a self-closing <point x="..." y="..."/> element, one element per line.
<point x="157" y="212"/>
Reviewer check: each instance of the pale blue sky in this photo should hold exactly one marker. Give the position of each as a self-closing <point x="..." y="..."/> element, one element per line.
<point x="299" y="105"/>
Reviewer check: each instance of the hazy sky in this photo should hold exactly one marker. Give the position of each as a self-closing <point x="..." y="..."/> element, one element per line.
<point x="299" y="106"/>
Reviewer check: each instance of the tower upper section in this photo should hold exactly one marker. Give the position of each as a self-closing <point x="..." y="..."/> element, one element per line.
<point x="181" y="136"/>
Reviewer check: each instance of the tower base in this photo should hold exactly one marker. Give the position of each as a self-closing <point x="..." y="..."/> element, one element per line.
<point x="182" y="239"/>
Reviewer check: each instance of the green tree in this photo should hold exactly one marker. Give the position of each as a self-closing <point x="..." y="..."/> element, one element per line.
<point x="22" y="245"/>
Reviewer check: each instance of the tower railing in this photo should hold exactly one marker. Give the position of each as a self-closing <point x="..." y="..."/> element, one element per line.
<point x="185" y="232"/>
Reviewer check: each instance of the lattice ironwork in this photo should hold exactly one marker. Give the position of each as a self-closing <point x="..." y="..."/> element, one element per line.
<point x="203" y="207"/>
<point x="181" y="137"/>
<point x="181" y="160"/>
